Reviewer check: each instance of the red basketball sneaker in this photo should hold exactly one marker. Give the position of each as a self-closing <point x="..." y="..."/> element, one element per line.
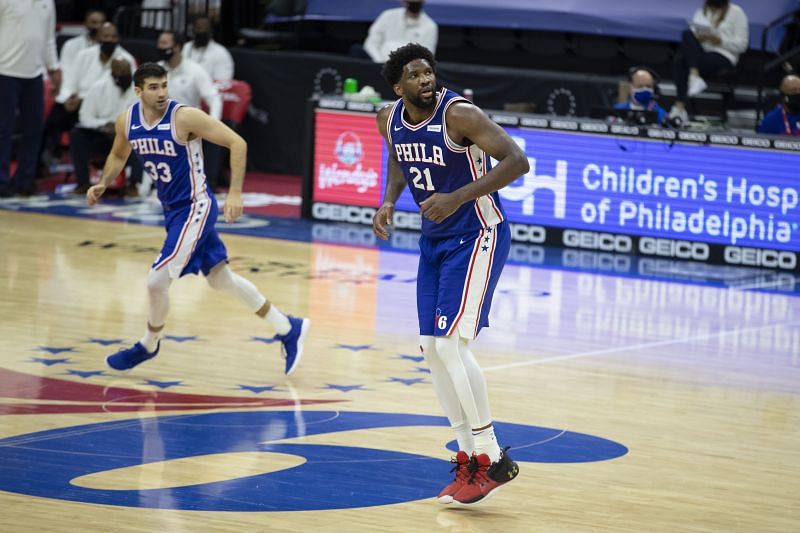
<point x="486" y="478"/>
<point x="461" y="468"/>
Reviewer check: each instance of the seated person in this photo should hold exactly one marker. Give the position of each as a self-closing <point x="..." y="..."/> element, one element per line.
<point x="94" y="133"/>
<point x="642" y="94"/>
<point x="785" y="118"/>
<point x="396" y="27"/>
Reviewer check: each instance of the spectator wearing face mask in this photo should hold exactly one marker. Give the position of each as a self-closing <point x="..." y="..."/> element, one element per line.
<point x="94" y="133"/>
<point x="72" y="47"/>
<point x="785" y="118"/>
<point x="642" y="96"/>
<point x="208" y="53"/>
<point x="90" y="65"/>
<point x="397" y="27"/>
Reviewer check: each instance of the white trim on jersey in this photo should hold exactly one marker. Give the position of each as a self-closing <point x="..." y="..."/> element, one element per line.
<point x="450" y="143"/>
<point x="475" y="285"/>
<point x="415" y="127"/>
<point x="145" y="125"/>
<point x="485" y="208"/>
<point x="173" y="130"/>
<point x="389" y="121"/>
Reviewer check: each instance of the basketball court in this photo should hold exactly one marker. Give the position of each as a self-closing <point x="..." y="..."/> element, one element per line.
<point x="632" y="402"/>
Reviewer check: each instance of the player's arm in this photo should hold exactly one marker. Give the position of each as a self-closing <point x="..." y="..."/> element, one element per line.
<point x="395" y="182"/>
<point x="195" y="122"/>
<point x="467" y="124"/>
<point x="115" y="162"/>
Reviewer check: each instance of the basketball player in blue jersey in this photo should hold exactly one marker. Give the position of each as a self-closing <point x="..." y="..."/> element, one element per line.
<point x="167" y="138"/>
<point x="440" y="147"/>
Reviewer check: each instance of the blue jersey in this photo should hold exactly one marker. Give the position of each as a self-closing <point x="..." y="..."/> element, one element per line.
<point x="176" y="167"/>
<point x="432" y="162"/>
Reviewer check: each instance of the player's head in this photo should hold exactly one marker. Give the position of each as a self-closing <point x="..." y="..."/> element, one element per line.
<point x="411" y="72"/>
<point x="150" y="85"/>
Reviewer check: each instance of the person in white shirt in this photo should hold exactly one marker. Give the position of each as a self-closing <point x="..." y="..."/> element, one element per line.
<point x="205" y="51"/>
<point x="89" y="66"/>
<point x="397" y="27"/>
<point x="104" y="101"/>
<point x="93" y="20"/>
<point x="27" y="49"/>
<point x="717" y="36"/>
<point x="189" y="83"/>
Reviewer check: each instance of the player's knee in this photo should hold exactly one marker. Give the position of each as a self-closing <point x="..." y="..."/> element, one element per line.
<point x="157" y="282"/>
<point x="427" y="345"/>
<point x="447" y="348"/>
<point x="219" y="278"/>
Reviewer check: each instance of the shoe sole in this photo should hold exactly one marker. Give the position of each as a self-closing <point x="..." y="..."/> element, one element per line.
<point x="445" y="500"/>
<point x="300" y="342"/>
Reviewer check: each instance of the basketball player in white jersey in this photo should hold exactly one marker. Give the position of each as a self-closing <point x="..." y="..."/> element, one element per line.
<point x="441" y="147"/>
<point x="167" y="137"/>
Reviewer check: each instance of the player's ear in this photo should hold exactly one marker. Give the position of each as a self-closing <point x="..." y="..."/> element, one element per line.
<point x="398" y="90"/>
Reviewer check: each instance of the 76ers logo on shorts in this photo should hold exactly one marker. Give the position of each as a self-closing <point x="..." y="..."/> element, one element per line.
<point x="441" y="320"/>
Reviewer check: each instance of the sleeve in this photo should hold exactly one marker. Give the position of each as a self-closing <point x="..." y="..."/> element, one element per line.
<point x="50" y="55"/>
<point x="771" y="123"/>
<point x="735" y="33"/>
<point x="71" y="79"/>
<point x="209" y="92"/>
<point x="89" y="113"/>
<point x="376" y="36"/>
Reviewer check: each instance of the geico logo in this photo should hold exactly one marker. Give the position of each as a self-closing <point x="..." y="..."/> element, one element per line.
<point x="525" y="253"/>
<point x="343" y="213"/>
<point x="736" y="255"/>
<point x="404" y="240"/>
<point x="597" y="241"/>
<point x="595" y="260"/>
<point x="525" y="233"/>
<point x="670" y="248"/>
<point x="406" y="220"/>
<point x="345" y="235"/>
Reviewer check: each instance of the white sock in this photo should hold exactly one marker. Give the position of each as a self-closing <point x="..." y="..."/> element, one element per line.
<point x="485" y="442"/>
<point x="464" y="438"/>
<point x="278" y="320"/>
<point x="150" y="339"/>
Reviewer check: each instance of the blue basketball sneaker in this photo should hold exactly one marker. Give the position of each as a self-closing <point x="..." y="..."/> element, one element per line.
<point x="292" y="342"/>
<point x="130" y="357"/>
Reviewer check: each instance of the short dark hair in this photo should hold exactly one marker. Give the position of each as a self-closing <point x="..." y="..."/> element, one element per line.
<point x="177" y="38"/>
<point x="148" y="70"/>
<point x="392" y="70"/>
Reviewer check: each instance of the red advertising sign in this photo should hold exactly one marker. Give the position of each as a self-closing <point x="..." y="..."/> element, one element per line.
<point x="348" y="152"/>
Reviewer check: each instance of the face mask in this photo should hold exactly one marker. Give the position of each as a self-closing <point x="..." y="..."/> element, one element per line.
<point x="166" y="53"/>
<point x="108" y="48"/>
<point x="792" y="103"/>
<point x="201" y="39"/>
<point x="717" y="4"/>
<point x="124" y="81"/>
<point x="91" y="32"/>
<point x="642" y="96"/>
<point x="414" y="7"/>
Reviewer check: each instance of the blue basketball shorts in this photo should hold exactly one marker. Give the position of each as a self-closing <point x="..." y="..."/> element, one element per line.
<point x="456" y="280"/>
<point x="192" y="244"/>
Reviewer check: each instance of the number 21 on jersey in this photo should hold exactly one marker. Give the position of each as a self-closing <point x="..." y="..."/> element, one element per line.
<point x="417" y="178"/>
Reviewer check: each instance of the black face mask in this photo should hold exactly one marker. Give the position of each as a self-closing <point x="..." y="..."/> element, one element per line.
<point x="414" y="7"/>
<point x="717" y="4"/>
<point x="91" y="32"/>
<point x="108" y="48"/>
<point x="124" y="81"/>
<point x="792" y="103"/>
<point x="166" y="53"/>
<point x="201" y="39"/>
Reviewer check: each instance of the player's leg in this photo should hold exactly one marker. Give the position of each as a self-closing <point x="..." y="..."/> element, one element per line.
<point x="427" y="291"/>
<point x="466" y="285"/>
<point x="211" y="258"/>
<point x="158" y="283"/>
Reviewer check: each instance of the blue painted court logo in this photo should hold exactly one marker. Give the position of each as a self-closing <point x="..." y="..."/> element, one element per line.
<point x="47" y="464"/>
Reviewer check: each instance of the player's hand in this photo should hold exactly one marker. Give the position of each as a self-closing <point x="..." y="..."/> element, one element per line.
<point x="94" y="193"/>
<point x="383" y="217"/>
<point x="439" y="206"/>
<point x="233" y="207"/>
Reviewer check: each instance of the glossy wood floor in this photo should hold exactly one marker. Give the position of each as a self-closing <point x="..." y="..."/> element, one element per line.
<point x="700" y="384"/>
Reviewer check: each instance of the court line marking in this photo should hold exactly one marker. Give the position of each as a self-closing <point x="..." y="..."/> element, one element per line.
<point x="634" y="347"/>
